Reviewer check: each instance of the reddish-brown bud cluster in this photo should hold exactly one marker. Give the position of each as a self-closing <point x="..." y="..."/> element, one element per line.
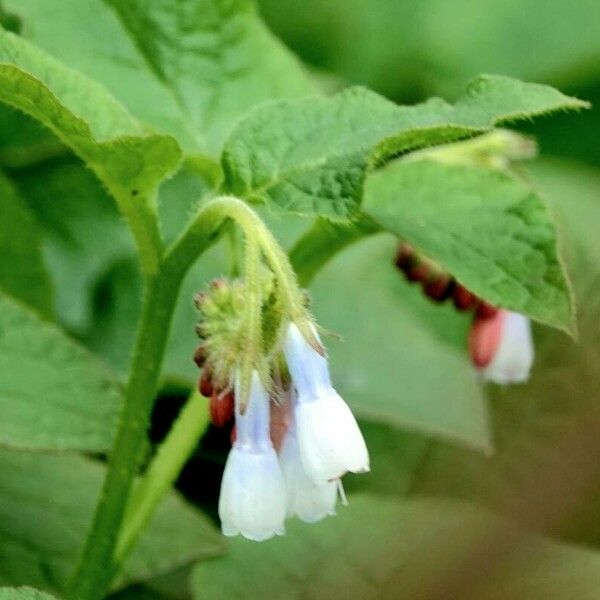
<point x="439" y="285"/>
<point x="220" y="401"/>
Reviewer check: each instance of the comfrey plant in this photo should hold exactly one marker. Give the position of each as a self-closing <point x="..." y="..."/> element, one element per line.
<point x="195" y="118"/>
<point x="321" y="439"/>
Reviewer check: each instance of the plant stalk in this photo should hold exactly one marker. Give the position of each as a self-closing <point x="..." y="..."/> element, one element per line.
<point x="96" y="569"/>
<point x="162" y="472"/>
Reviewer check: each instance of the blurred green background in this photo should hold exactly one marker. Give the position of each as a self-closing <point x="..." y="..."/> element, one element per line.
<point x="444" y="448"/>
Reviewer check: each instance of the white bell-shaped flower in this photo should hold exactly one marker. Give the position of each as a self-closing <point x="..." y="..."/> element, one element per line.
<point x="253" y="498"/>
<point x="329" y="439"/>
<point x="307" y="500"/>
<point x="513" y="358"/>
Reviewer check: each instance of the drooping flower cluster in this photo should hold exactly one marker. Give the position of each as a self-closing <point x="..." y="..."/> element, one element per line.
<point x="323" y="442"/>
<point x="294" y="437"/>
<point x="500" y="341"/>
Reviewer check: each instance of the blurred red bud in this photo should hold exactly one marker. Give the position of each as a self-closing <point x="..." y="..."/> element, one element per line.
<point x="404" y="256"/>
<point x="417" y="273"/>
<point x="463" y="298"/>
<point x="205" y="386"/>
<point x="440" y="288"/>
<point x="221" y="408"/>
<point x="484" y="338"/>
<point x="233" y="435"/>
<point x="486" y="311"/>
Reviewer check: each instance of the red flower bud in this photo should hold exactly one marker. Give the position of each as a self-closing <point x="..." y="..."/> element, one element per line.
<point x="221" y="408"/>
<point x="233" y="435"/>
<point x="484" y="339"/>
<point x="439" y="288"/>
<point x="463" y="298"/>
<point x="205" y="386"/>
<point x="404" y="256"/>
<point x="486" y="311"/>
<point x="418" y="272"/>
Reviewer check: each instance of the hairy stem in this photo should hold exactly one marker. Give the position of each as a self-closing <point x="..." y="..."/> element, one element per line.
<point x="96" y="569"/>
<point x="207" y="223"/>
<point x="322" y="242"/>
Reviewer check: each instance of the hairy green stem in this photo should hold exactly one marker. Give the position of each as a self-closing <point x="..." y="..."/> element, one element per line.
<point x="162" y="472"/>
<point x="207" y="222"/>
<point x="97" y="568"/>
<point x="322" y="242"/>
<point x="252" y="320"/>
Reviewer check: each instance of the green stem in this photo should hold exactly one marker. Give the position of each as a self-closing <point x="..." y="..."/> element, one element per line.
<point x="322" y="242"/>
<point x="162" y="472"/>
<point x="96" y="569"/>
<point x="207" y="223"/>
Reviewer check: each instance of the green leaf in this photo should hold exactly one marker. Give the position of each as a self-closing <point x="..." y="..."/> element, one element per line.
<point x="23" y="593"/>
<point x="489" y="230"/>
<point x="443" y="44"/>
<point x="402" y="360"/>
<point x="129" y="159"/>
<point x="84" y="236"/>
<point x="190" y="69"/>
<point x="310" y="156"/>
<point x="54" y="395"/>
<point x="23" y="141"/>
<point x="22" y="270"/>
<point x="379" y="548"/>
<point x="218" y="57"/>
<point x="46" y="504"/>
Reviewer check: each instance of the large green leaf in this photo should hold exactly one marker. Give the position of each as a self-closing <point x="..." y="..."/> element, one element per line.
<point x="46" y="505"/>
<point x="402" y="550"/>
<point x="22" y="270"/>
<point x="311" y="155"/>
<point x="84" y="237"/>
<point x="23" y="593"/>
<point x="489" y="230"/>
<point x="53" y="393"/>
<point x="191" y="69"/>
<point x="401" y="361"/>
<point x="128" y="159"/>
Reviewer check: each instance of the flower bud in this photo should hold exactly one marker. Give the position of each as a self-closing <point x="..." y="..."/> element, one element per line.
<point x="501" y="347"/>
<point x="200" y="356"/>
<point x="205" y="385"/>
<point x="486" y="310"/>
<point x="221" y="407"/>
<point x="463" y="298"/>
<point x="439" y="288"/>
